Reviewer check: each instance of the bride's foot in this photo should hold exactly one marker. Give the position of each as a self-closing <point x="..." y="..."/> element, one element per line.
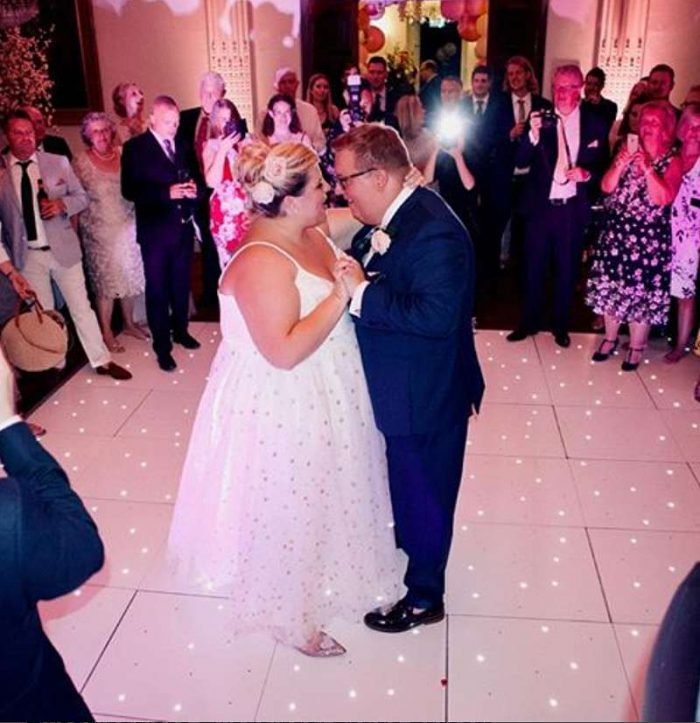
<point x="137" y="332"/>
<point x="322" y="645"/>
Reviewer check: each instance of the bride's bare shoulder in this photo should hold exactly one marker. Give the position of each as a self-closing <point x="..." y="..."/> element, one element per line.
<point x="257" y="261"/>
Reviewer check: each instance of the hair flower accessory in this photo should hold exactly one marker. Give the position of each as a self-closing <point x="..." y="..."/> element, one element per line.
<point x="380" y="241"/>
<point x="262" y="193"/>
<point x="275" y="169"/>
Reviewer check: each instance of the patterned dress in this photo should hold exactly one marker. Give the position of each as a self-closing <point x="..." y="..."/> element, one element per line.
<point x="630" y="276"/>
<point x="685" y="229"/>
<point x="108" y="229"/>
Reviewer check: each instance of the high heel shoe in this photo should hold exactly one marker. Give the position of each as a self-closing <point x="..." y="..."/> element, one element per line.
<point x="628" y="365"/>
<point x="600" y="355"/>
<point x="322" y="645"/>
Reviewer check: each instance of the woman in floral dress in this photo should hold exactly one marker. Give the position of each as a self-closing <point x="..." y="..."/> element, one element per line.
<point x="685" y="229"/>
<point x="630" y="275"/>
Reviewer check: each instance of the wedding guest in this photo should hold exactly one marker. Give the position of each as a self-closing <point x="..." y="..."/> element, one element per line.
<point x="630" y="274"/>
<point x="662" y="80"/>
<point x="638" y="94"/>
<point x="45" y="141"/>
<point x="194" y="130"/>
<point x="685" y="230"/>
<point x="692" y="97"/>
<point x="228" y="211"/>
<point x="39" y="238"/>
<point x="128" y="104"/>
<point x="286" y="82"/>
<point x="629" y="125"/>
<point x="281" y="122"/>
<point x="156" y="178"/>
<point x="296" y="529"/>
<point x="429" y="89"/>
<point x="108" y="227"/>
<point x="593" y="97"/>
<point x="49" y="546"/>
<point x="318" y="93"/>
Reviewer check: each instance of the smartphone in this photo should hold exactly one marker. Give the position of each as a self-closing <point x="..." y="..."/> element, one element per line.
<point x="240" y="127"/>
<point x="632" y="143"/>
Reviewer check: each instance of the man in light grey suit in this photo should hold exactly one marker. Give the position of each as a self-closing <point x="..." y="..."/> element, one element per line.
<point x="39" y="193"/>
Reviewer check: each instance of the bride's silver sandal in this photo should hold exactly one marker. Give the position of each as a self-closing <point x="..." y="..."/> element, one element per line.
<point x="322" y="645"/>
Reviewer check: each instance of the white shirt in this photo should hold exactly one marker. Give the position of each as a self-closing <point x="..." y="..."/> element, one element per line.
<point x="394" y="206"/>
<point x="161" y="142"/>
<point x="484" y="103"/>
<point x="571" y="125"/>
<point x="34" y="175"/>
<point x="516" y="105"/>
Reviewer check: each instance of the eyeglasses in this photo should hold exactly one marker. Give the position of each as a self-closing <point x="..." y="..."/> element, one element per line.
<point x="343" y="180"/>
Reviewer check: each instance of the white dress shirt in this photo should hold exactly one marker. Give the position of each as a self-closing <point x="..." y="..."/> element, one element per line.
<point x="34" y="176"/>
<point x="161" y="142"/>
<point x="571" y="127"/>
<point x="516" y="105"/>
<point x="394" y="206"/>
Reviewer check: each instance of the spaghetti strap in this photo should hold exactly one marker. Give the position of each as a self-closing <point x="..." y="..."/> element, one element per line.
<point x="269" y="245"/>
<point x="329" y="241"/>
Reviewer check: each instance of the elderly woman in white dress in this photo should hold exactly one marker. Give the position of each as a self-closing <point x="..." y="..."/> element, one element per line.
<point x="108" y="229"/>
<point x="685" y="230"/>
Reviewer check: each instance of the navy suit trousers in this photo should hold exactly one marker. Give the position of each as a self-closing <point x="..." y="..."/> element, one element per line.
<point x="424" y="475"/>
<point x="167" y="267"/>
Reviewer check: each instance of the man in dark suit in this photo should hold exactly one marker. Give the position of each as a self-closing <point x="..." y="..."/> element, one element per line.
<point x="413" y="313"/>
<point x="566" y="155"/>
<point x="593" y="97"/>
<point x="488" y="115"/>
<point x="384" y="99"/>
<point x="49" y="545"/>
<point x="429" y="90"/>
<point x="159" y="176"/>
<point x="193" y="131"/>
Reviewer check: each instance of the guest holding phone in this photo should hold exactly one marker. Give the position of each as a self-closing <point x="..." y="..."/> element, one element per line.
<point x="229" y="217"/>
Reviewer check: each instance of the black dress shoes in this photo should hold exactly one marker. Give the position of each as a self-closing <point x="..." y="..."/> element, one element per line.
<point x="166" y="362"/>
<point x="115" y="371"/>
<point x="562" y="339"/>
<point x="189" y="342"/>
<point x="519" y="334"/>
<point x="403" y="617"/>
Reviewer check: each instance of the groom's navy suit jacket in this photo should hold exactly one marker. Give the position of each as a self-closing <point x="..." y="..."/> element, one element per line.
<point x="415" y="330"/>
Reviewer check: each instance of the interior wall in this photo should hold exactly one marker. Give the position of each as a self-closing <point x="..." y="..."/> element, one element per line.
<point x="672" y="36"/>
<point x="162" y="46"/>
<point x="673" y="31"/>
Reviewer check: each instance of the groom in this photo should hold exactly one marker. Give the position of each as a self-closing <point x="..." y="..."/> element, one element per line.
<point x="412" y="307"/>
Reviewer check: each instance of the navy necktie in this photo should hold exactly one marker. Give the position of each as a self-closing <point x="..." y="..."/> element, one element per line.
<point x="27" y="194"/>
<point x="169" y="150"/>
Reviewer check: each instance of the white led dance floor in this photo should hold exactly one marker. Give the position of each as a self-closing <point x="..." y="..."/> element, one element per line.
<point x="579" y="515"/>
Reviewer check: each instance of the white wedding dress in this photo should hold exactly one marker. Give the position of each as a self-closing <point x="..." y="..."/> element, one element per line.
<point x="284" y="503"/>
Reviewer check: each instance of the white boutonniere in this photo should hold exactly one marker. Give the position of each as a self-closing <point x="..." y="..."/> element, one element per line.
<point x="380" y="241"/>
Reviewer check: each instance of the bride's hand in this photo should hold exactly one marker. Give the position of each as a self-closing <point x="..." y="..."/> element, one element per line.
<point x="349" y="272"/>
<point x="414" y="179"/>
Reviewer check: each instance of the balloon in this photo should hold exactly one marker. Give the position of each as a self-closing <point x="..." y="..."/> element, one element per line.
<point x="482" y="24"/>
<point x="363" y="19"/>
<point x="375" y="39"/>
<point x="480" y="48"/>
<point x="452" y="9"/>
<point x="467" y="29"/>
<point x="375" y="9"/>
<point x="475" y="7"/>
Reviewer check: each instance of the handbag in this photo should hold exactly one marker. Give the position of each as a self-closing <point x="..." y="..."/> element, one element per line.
<point x="35" y="340"/>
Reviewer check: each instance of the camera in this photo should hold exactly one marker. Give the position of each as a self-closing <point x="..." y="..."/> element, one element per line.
<point x="450" y="128"/>
<point x="549" y="118"/>
<point x="354" y="84"/>
<point x="240" y="127"/>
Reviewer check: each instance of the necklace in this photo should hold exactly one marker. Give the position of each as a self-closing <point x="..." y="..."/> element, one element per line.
<point x="105" y="158"/>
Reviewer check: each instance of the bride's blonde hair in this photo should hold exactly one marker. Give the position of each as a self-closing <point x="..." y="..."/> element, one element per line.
<point x="271" y="173"/>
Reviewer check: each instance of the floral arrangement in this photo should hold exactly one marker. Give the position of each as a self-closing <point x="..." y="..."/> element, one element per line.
<point x="402" y="70"/>
<point x="24" y="79"/>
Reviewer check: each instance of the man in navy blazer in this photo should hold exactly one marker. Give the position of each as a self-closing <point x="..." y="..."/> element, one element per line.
<point x="49" y="545"/>
<point x="160" y="176"/>
<point x="567" y="156"/>
<point x="412" y="305"/>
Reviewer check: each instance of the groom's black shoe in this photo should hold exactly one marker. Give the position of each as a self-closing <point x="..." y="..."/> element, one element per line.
<point x="402" y="617"/>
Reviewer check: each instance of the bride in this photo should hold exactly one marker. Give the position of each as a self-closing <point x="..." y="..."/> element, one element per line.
<point x="284" y="501"/>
